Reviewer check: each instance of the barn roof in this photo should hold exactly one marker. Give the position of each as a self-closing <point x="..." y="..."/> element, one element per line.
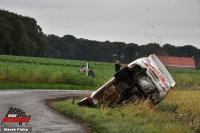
<point x="170" y="61"/>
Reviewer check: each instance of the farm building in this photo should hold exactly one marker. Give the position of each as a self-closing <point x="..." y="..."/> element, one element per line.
<point x="179" y="62"/>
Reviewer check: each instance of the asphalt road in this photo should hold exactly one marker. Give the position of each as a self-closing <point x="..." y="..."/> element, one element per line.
<point x="43" y="118"/>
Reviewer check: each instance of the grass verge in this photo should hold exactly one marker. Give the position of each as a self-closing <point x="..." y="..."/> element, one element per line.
<point x="132" y="118"/>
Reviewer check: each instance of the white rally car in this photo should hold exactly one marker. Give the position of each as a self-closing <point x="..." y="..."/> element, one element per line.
<point x="143" y="78"/>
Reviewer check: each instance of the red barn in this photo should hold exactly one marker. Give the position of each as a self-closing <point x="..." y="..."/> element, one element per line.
<point x="181" y="62"/>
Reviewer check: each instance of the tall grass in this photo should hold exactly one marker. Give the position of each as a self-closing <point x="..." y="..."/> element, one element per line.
<point x="177" y="113"/>
<point x="184" y="107"/>
<point x="130" y="118"/>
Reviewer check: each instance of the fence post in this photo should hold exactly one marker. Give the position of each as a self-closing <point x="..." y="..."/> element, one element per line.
<point x="87" y="68"/>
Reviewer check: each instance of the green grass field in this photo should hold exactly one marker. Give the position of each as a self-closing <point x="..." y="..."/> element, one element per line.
<point x="178" y="112"/>
<point x="29" y="72"/>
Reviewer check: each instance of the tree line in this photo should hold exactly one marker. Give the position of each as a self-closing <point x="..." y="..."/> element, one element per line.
<point x="22" y="36"/>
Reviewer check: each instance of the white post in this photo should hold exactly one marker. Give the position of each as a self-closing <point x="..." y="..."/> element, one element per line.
<point x="86" y="68"/>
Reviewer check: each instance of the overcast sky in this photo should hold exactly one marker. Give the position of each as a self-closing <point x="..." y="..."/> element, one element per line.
<point x="176" y="22"/>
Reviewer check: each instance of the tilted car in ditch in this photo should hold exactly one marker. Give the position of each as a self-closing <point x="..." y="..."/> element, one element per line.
<point x="143" y="78"/>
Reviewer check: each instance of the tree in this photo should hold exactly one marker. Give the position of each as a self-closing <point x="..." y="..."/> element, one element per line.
<point x="20" y="35"/>
<point x="171" y="50"/>
<point x="187" y="51"/>
<point x="131" y="52"/>
<point x="6" y="43"/>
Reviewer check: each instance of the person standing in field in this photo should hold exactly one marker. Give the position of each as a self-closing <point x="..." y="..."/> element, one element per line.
<point x="117" y="66"/>
<point x="91" y="73"/>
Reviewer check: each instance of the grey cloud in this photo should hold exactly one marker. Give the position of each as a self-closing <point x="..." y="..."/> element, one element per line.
<point x="137" y="21"/>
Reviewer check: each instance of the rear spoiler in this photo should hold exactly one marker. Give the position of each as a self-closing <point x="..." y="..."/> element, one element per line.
<point x="162" y="68"/>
